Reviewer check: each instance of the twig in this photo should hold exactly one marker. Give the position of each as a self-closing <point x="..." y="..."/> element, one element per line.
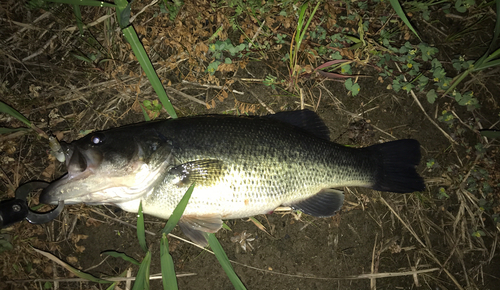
<point x="41" y="50"/>
<point x="436" y="29"/>
<point x="319" y="100"/>
<point x="94" y="23"/>
<point x="373" y="281"/>
<point x="213" y="87"/>
<point x="142" y="10"/>
<point x="23" y="25"/>
<point x="431" y="255"/>
<point x="186" y="96"/>
<point x="120" y="221"/>
<point x="256" y="34"/>
<point x="382" y="131"/>
<point x="112" y="279"/>
<point x="404" y="224"/>
<point x="301" y="99"/>
<point x="262" y="103"/>
<point x="425" y="113"/>
<point x="26" y="26"/>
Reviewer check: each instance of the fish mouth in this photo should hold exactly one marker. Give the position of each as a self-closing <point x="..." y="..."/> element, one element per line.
<point x="71" y="187"/>
<point x="93" y="180"/>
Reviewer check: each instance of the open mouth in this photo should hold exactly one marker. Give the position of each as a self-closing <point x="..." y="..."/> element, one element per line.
<point x="93" y="180"/>
<point x="80" y="164"/>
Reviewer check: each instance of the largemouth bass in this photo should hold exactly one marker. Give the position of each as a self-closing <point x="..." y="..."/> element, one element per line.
<point x="242" y="166"/>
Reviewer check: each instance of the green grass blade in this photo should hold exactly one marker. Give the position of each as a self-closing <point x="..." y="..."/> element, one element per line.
<point x="146" y="117"/>
<point x="490" y="133"/>
<point x="457" y="81"/>
<point x="493" y="55"/>
<point x="300" y="33"/>
<point x="84" y="3"/>
<point x="488" y="64"/>
<point x="4" y="108"/>
<point x="496" y="31"/>
<point x="167" y="265"/>
<point x="123" y="13"/>
<point x="226" y="227"/>
<point x="141" y="233"/>
<point x="78" y="16"/>
<point x="309" y="21"/>
<point x="216" y="33"/>
<point x="122" y="256"/>
<point x="112" y="286"/>
<point x="142" y="279"/>
<point x="399" y="11"/>
<point x="300" y="22"/>
<point x="224" y="262"/>
<point x="142" y="57"/>
<point x="177" y="213"/>
<point x="10" y="130"/>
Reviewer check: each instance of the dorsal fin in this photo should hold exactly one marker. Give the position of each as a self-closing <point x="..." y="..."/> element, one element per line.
<point x="306" y="120"/>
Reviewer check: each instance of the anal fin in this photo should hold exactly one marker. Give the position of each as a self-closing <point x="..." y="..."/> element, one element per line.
<point x="323" y="204"/>
<point x="197" y="227"/>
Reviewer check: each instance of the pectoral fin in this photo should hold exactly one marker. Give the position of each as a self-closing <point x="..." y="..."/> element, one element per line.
<point x="197" y="228"/>
<point x="325" y="203"/>
<point x="203" y="172"/>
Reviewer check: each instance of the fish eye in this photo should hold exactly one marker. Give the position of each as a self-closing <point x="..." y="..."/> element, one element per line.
<point x="97" y="139"/>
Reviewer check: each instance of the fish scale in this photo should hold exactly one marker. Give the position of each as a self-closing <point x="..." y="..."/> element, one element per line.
<point x="269" y="164"/>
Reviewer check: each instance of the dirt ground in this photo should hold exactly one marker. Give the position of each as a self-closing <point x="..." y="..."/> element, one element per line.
<point x="378" y="240"/>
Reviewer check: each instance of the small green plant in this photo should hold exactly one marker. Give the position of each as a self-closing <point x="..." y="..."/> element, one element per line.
<point x="4" y="108"/>
<point x="352" y="87"/>
<point x="490" y="133"/>
<point x="153" y="108"/>
<point x="280" y="38"/>
<point x="399" y="11"/>
<point x="172" y="8"/>
<point x="442" y="194"/>
<point x="489" y="58"/>
<point x="432" y="164"/>
<point x="463" y="5"/>
<point x="220" y="49"/>
<point x="270" y="81"/>
<point x="496" y="219"/>
<point x="478" y="234"/>
<point x="447" y="117"/>
<point x="299" y="36"/>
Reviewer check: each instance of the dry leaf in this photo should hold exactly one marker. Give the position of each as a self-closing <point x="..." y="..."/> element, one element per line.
<point x="72" y="260"/>
<point x="92" y="223"/>
<point x="136" y="107"/>
<point x="48" y="270"/>
<point x="49" y="170"/>
<point x="79" y="249"/>
<point x="77" y="238"/>
<point x="201" y="48"/>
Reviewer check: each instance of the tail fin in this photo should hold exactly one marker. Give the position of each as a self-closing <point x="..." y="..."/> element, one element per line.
<point x="396" y="170"/>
